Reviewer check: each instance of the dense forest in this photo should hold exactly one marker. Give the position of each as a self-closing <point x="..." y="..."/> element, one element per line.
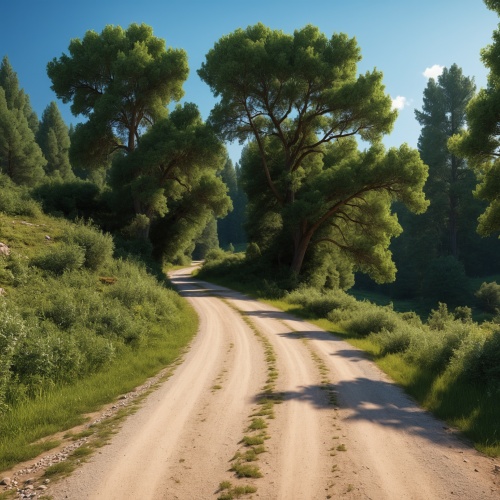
<point x="315" y="201"/>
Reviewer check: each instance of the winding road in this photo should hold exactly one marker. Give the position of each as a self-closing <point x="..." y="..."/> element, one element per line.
<point x="339" y="427"/>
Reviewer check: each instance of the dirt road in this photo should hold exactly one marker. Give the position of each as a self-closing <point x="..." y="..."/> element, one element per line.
<point x="338" y="426"/>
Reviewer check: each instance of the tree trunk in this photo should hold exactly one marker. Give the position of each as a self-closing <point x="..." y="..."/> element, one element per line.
<point x="301" y="240"/>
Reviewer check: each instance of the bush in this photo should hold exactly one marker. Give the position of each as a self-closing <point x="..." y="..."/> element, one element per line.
<point x="435" y="348"/>
<point x="12" y="330"/>
<point x="369" y="318"/>
<point x="98" y="247"/>
<point x="488" y="297"/>
<point x="397" y="340"/>
<point x="58" y="259"/>
<point x="319" y="303"/>
<point x="16" y="200"/>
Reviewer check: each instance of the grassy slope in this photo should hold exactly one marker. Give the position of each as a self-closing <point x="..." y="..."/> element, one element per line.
<point x="25" y="427"/>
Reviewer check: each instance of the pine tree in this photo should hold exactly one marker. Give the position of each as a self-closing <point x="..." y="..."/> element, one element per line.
<point x="53" y="139"/>
<point x="16" y="97"/>
<point x="20" y="157"/>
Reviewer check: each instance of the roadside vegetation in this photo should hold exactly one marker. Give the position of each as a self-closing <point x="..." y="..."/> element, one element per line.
<point x="78" y="327"/>
<point x="447" y="361"/>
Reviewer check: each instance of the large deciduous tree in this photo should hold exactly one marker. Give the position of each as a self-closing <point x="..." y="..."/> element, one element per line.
<point x="176" y="156"/>
<point x="121" y="80"/>
<point x="300" y="101"/>
<point x="480" y="143"/>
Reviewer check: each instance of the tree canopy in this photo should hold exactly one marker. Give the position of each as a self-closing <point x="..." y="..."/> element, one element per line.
<point x="121" y="80"/>
<point x="20" y="156"/>
<point x="300" y="101"/>
<point x="480" y="143"/>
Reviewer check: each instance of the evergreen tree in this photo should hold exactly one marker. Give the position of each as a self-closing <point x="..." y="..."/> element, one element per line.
<point x="450" y="183"/>
<point x="230" y="228"/>
<point x="53" y="139"/>
<point x="16" y="98"/>
<point x="20" y="156"/>
<point x="480" y="143"/>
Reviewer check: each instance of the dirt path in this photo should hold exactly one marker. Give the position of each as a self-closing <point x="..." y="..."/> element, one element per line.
<point x="368" y="440"/>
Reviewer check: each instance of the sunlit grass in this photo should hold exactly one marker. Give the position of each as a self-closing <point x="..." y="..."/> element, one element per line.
<point x="64" y="407"/>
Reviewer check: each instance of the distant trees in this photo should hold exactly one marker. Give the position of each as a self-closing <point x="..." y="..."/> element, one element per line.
<point x="20" y="156"/>
<point x="230" y="229"/>
<point x="53" y="138"/>
<point x="298" y="98"/>
<point x="450" y="182"/>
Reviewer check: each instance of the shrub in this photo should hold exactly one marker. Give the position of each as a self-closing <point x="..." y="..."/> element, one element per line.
<point x="320" y="303"/>
<point x="12" y="330"/>
<point x="488" y="296"/>
<point x="15" y="200"/>
<point x="435" y="348"/>
<point x="440" y="318"/>
<point x="369" y="318"/>
<point x="98" y="247"/>
<point x="58" y="259"/>
<point x="397" y="340"/>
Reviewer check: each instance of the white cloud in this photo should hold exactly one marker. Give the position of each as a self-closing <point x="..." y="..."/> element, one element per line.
<point x="433" y="71"/>
<point x="400" y="102"/>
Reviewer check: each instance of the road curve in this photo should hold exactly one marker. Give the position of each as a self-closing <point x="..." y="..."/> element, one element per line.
<point x="342" y="428"/>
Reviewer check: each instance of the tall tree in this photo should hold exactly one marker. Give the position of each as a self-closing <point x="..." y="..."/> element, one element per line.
<point x="121" y="80"/>
<point x="480" y="143"/>
<point x="230" y="228"/>
<point x="20" y="157"/>
<point x="450" y="183"/>
<point x="298" y="97"/>
<point x="175" y="157"/>
<point x="53" y="139"/>
<point x="15" y="96"/>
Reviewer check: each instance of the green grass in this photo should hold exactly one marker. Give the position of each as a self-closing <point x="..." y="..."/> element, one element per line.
<point x="470" y="408"/>
<point x="64" y="407"/>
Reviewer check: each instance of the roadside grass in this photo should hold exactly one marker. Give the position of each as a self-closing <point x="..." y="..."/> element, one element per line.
<point x="24" y="426"/>
<point x="469" y="406"/>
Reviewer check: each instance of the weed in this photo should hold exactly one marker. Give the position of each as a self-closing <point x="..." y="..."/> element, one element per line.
<point x="245" y="470"/>
<point x="341" y="447"/>
<point x="59" y="469"/>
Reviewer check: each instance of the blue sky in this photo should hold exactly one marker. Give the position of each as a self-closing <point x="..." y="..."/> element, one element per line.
<point x="400" y="38"/>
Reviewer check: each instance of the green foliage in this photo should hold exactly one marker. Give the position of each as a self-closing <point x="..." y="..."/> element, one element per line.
<point x="299" y="99"/>
<point x="20" y="157"/>
<point x="12" y="331"/>
<point x="75" y="198"/>
<point x="368" y="318"/>
<point x="149" y="76"/>
<point x="445" y="281"/>
<point x="53" y="139"/>
<point x="488" y="296"/>
<point x="479" y="144"/>
<point x="59" y="259"/>
<point x="16" y="200"/>
<point x="98" y="247"/>
<point x="252" y="251"/>
<point x="321" y="303"/>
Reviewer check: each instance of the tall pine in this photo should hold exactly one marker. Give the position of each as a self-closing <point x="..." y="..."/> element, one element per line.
<point x="53" y="139"/>
<point x="16" y="97"/>
<point x="20" y="157"/>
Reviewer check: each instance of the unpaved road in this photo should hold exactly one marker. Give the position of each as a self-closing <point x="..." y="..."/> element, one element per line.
<point x="342" y="428"/>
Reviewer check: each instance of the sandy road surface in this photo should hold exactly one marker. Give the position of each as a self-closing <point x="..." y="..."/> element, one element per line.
<point x="373" y="443"/>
